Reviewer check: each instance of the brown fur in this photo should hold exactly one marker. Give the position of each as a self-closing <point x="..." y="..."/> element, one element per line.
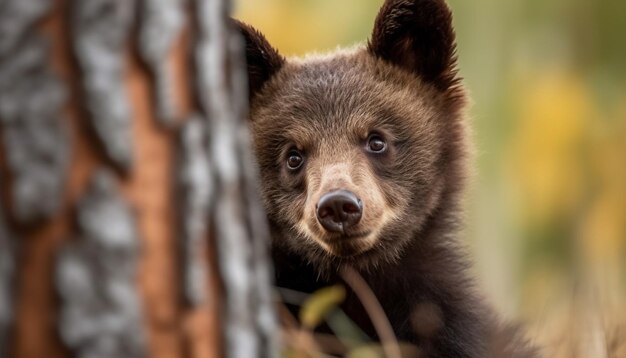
<point x="403" y="86"/>
<point x="263" y="60"/>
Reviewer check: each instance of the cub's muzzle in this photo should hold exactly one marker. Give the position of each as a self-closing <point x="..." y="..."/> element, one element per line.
<point x="339" y="210"/>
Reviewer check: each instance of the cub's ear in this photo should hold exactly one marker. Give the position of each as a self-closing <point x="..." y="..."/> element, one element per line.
<point x="262" y="59"/>
<point x="417" y="35"/>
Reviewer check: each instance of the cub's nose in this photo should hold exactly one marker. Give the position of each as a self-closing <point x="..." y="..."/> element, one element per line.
<point x="339" y="210"/>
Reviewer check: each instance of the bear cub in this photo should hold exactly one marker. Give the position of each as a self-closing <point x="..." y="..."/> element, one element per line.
<point x="363" y="156"/>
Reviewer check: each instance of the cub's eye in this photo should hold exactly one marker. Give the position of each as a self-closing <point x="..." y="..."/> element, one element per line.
<point x="294" y="159"/>
<point x="376" y="144"/>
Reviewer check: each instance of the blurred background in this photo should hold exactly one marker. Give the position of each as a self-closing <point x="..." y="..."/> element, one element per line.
<point x="546" y="212"/>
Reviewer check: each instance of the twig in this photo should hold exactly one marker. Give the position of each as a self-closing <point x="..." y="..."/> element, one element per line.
<point x="374" y="310"/>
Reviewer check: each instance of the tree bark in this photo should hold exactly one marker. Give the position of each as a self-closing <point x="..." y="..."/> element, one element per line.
<point x="129" y="222"/>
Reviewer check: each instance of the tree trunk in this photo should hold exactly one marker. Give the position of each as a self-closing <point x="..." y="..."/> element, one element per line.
<point x="129" y="223"/>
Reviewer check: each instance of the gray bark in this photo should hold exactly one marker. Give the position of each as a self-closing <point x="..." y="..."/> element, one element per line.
<point x="96" y="275"/>
<point x="16" y="18"/>
<point x="35" y="141"/>
<point x="195" y="188"/>
<point x="100" y="30"/>
<point x="161" y="22"/>
<point x="100" y="314"/>
<point x="249" y="314"/>
<point x="7" y="271"/>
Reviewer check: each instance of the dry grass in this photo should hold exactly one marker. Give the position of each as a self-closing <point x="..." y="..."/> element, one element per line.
<point x="583" y="327"/>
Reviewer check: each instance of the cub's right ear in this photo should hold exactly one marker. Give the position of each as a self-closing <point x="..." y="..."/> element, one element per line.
<point x="263" y="60"/>
<point x="417" y="35"/>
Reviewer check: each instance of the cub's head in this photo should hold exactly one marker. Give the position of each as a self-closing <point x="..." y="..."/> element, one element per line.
<point x="359" y="149"/>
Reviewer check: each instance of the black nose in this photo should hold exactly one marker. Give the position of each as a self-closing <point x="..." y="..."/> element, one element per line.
<point x="339" y="210"/>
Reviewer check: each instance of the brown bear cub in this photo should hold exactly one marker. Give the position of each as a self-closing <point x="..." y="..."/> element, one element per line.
<point x="363" y="157"/>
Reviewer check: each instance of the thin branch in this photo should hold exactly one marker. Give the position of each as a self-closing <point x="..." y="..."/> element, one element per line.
<point x="374" y="310"/>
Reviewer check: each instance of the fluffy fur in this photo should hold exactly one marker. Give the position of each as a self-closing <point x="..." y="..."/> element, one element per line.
<point x="402" y="86"/>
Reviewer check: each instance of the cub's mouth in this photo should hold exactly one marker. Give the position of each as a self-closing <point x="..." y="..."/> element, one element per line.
<point x="350" y="237"/>
<point x="347" y="246"/>
<point x="339" y="224"/>
<point x="343" y="238"/>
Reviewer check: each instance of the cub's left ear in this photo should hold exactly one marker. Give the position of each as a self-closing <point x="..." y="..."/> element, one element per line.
<point x="417" y="35"/>
<point x="262" y="59"/>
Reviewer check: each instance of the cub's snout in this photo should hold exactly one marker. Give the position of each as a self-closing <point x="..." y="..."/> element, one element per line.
<point x="339" y="210"/>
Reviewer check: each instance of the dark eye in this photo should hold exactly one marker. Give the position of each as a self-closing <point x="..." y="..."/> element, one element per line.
<point x="376" y="144"/>
<point x="294" y="159"/>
